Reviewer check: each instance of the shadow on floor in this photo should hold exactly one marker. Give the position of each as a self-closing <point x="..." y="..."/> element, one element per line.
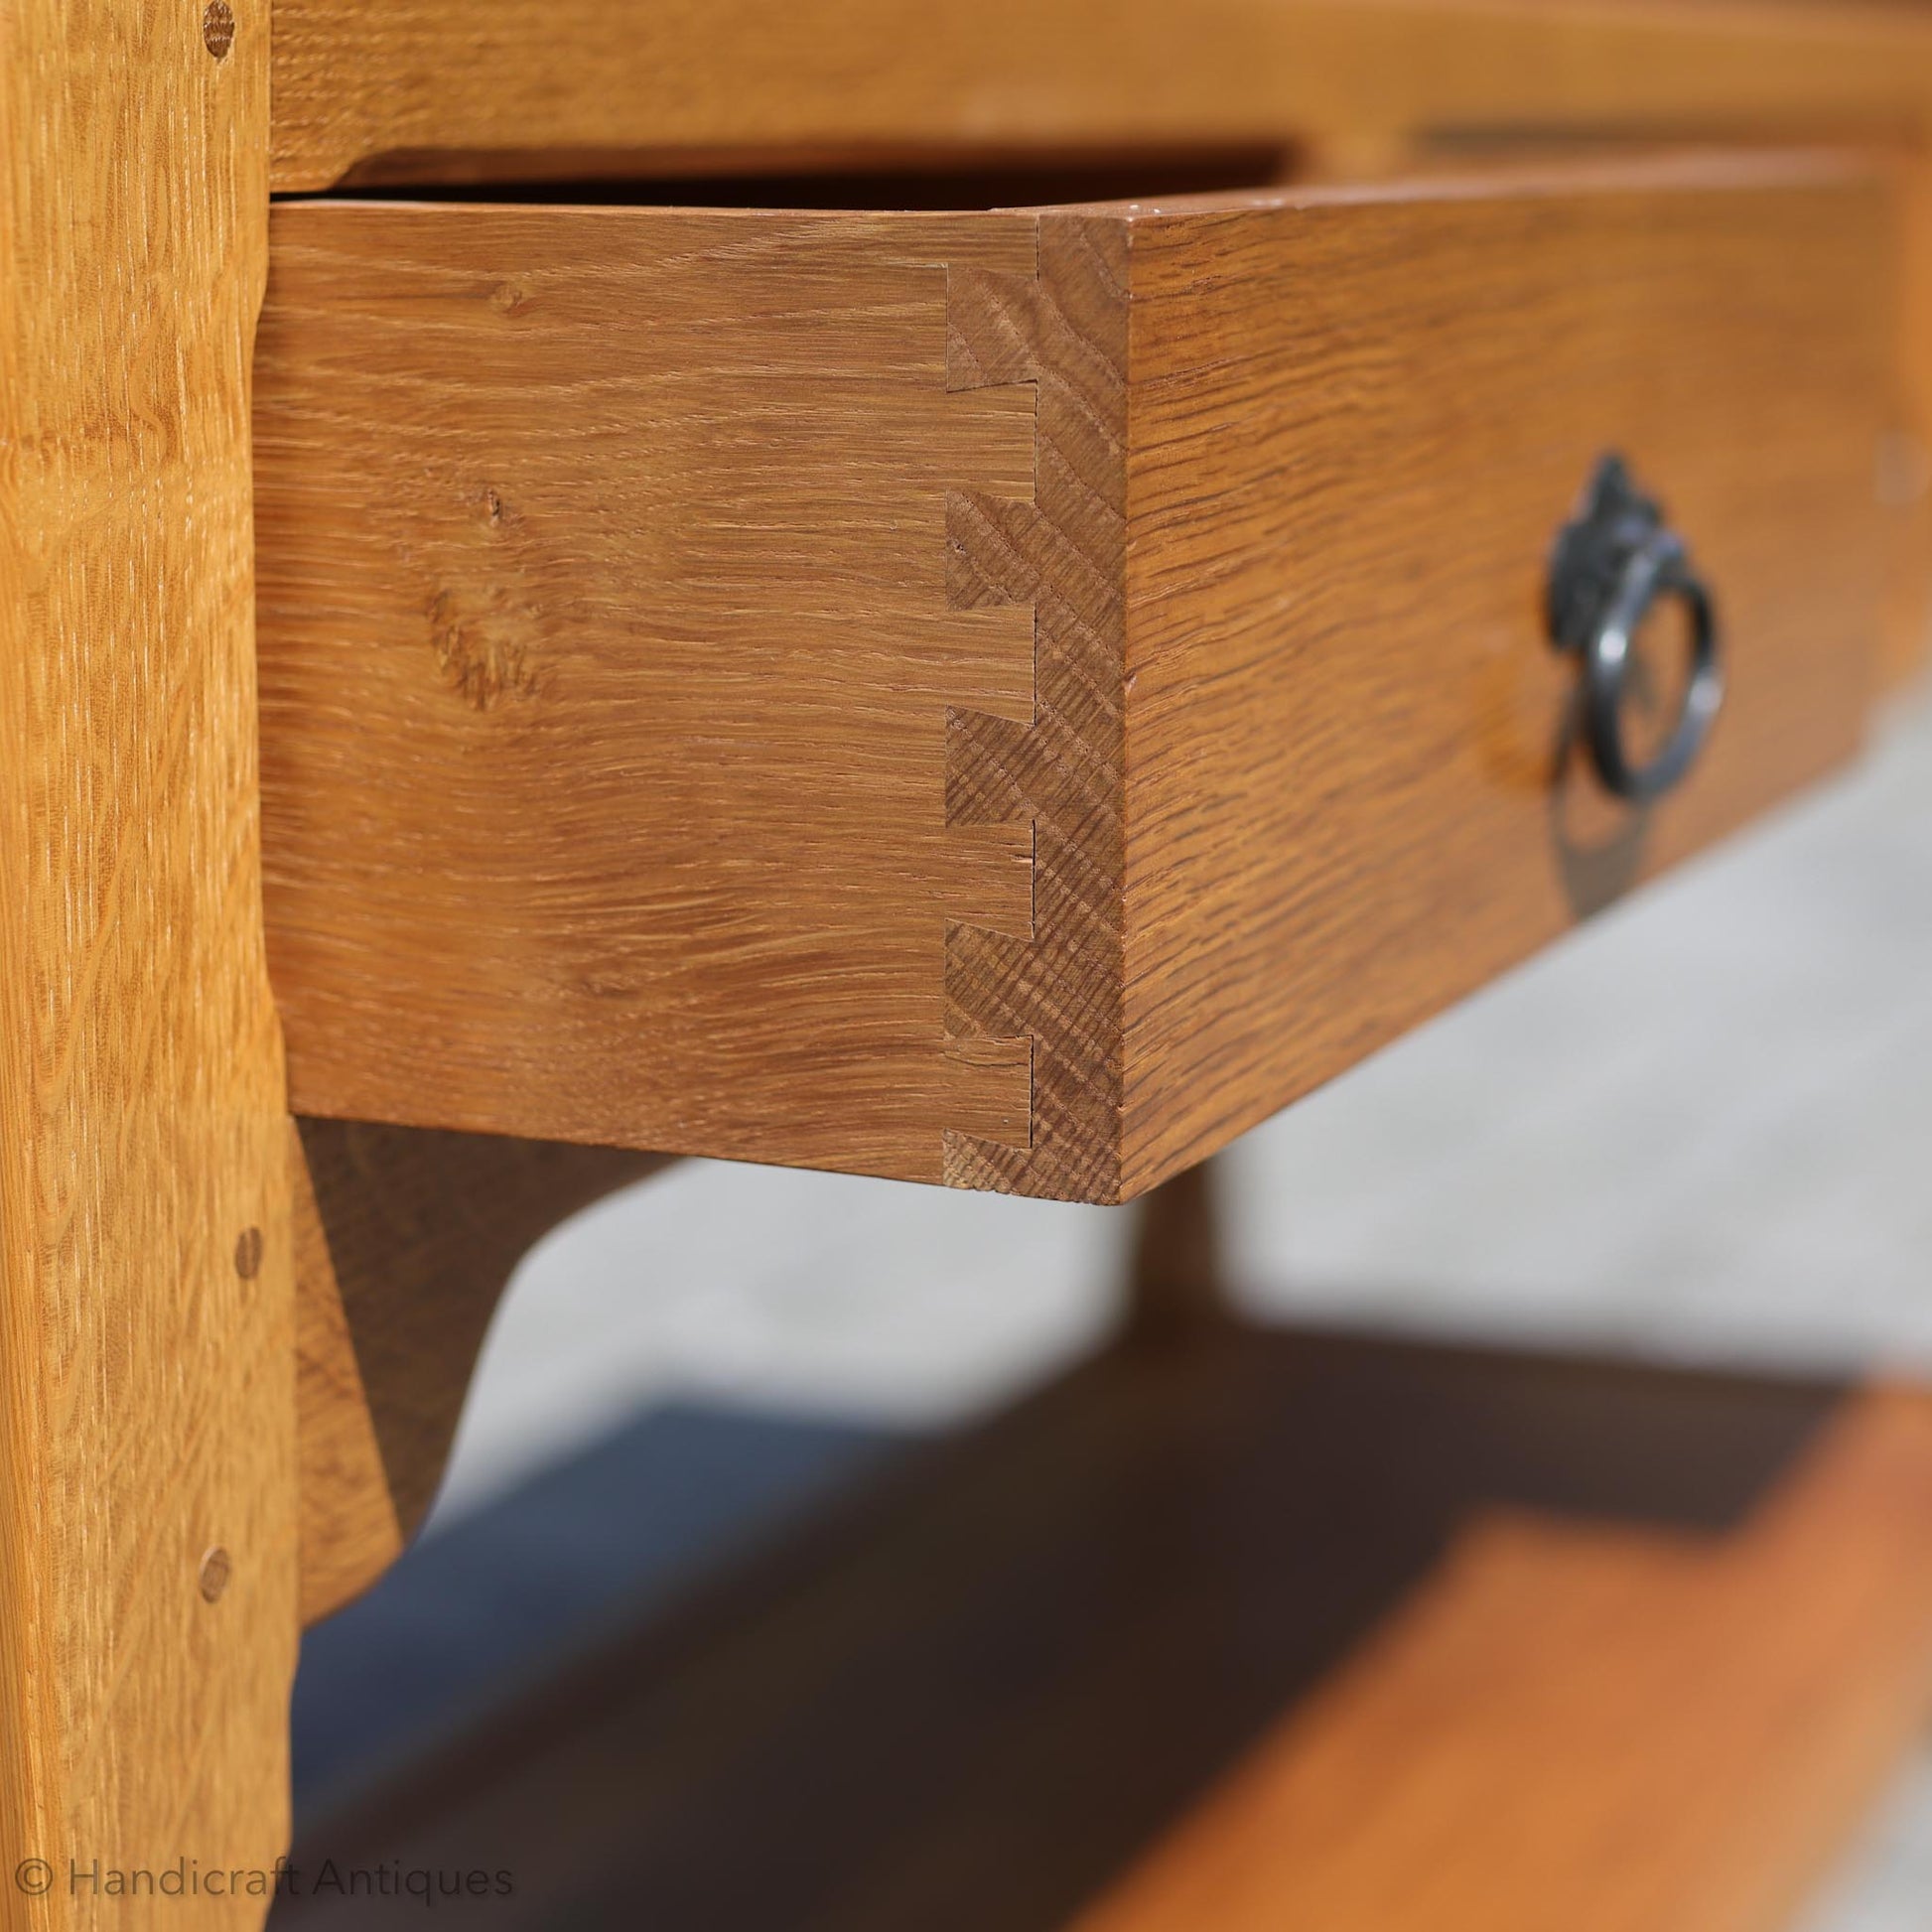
<point x="592" y="1546"/>
<point x="964" y="1698"/>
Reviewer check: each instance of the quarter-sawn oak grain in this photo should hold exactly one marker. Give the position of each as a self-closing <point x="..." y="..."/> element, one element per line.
<point x="1355" y="428"/>
<point x="1011" y="698"/>
<point x="607" y="666"/>
<point x="147" y="1352"/>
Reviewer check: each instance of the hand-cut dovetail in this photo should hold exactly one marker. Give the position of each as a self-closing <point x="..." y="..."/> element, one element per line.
<point x="1058" y="557"/>
<point x="993" y="659"/>
<point x="990" y="1088"/>
<point x="991" y="893"/>
<point x="992" y="885"/>
<point x="990" y="552"/>
<point x="990" y="328"/>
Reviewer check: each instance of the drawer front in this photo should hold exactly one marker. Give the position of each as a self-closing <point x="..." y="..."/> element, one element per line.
<point x="1009" y="697"/>
<point x="1353" y="782"/>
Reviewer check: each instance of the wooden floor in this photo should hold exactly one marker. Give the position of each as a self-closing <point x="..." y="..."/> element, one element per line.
<point x="1246" y="1631"/>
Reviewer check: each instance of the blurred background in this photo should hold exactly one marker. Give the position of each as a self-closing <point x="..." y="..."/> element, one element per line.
<point x="1700" y="1131"/>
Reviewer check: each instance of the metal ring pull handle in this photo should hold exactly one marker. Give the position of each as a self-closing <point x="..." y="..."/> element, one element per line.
<point x="1613" y="565"/>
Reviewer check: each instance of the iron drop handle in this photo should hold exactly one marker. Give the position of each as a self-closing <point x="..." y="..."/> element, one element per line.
<point x="1613" y="563"/>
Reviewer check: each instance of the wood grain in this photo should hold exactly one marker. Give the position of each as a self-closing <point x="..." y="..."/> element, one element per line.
<point x="1424" y="1639"/>
<point x="147" y="1392"/>
<point x="1355" y="423"/>
<point x="1177" y="1281"/>
<point x="1018" y="698"/>
<point x="350" y="1531"/>
<point x="678" y="85"/>
<point x="605" y="694"/>
<point x="1905" y="462"/>
<point x="1600" y="1731"/>
<point x="1059" y="555"/>
<point x="405" y="1244"/>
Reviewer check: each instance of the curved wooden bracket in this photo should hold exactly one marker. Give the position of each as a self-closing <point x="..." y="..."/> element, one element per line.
<point x="405" y="1240"/>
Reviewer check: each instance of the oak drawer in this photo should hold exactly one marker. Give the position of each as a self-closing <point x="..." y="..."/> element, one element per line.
<point x="1010" y="698"/>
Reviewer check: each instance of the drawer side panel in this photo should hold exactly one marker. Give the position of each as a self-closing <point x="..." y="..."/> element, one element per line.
<point x="607" y="656"/>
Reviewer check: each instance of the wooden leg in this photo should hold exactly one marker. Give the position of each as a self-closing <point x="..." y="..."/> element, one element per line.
<point x="147" y="1389"/>
<point x="1176" y="1284"/>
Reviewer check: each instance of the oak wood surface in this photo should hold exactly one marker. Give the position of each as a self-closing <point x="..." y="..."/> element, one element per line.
<point x="405" y="1243"/>
<point x="604" y="701"/>
<point x="1009" y="698"/>
<point x="1423" y="1638"/>
<point x="1057" y="555"/>
<point x="349" y="1529"/>
<point x="147" y="1388"/>
<point x="421" y="89"/>
<point x="1350" y="787"/>
<point x="1177" y="1281"/>
<point x="1615" y="1733"/>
